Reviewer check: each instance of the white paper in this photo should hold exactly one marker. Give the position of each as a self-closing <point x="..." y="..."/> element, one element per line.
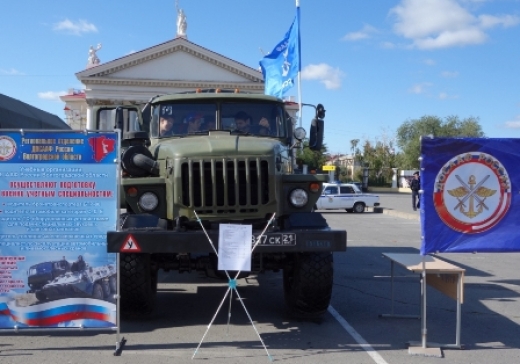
<point x="234" y="247"/>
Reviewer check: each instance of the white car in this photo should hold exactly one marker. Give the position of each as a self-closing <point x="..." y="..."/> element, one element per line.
<point x="346" y="196"/>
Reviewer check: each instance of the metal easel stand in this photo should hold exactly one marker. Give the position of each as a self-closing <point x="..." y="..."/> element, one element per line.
<point x="232" y="286"/>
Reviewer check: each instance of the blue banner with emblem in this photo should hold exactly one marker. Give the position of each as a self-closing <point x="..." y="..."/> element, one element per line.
<point x="470" y="200"/>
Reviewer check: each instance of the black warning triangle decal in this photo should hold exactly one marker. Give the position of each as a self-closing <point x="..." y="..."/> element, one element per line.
<point x="130" y="245"/>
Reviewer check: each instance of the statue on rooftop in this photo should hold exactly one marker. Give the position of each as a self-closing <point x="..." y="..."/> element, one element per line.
<point x="93" y="59"/>
<point x="182" y="24"/>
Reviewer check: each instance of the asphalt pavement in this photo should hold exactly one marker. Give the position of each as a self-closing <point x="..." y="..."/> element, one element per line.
<point x="398" y="204"/>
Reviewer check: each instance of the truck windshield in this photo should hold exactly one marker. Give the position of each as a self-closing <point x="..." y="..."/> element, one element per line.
<point x="248" y="118"/>
<point x="41" y="268"/>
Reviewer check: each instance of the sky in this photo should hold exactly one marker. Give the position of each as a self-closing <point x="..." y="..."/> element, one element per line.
<point x="373" y="64"/>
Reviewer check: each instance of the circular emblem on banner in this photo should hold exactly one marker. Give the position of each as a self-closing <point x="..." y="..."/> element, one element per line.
<point x="472" y="192"/>
<point x="7" y="148"/>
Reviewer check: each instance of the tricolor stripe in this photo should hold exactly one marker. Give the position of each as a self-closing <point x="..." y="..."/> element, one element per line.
<point x="60" y="311"/>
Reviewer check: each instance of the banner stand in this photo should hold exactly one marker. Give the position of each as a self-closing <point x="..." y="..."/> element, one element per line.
<point x="232" y="286"/>
<point x="120" y="343"/>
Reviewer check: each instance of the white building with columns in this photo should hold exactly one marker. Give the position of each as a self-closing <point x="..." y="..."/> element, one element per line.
<point x="174" y="66"/>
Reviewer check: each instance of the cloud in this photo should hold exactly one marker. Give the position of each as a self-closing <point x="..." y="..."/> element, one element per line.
<point x="445" y="96"/>
<point x="434" y="24"/>
<point x="51" y="95"/>
<point x="329" y="76"/>
<point x="429" y="62"/>
<point x="364" y="33"/>
<point x="11" y="72"/>
<point x="489" y="21"/>
<point x="75" y="28"/>
<point x="420" y="88"/>
<point x="513" y="124"/>
<point x="449" y="74"/>
<point x="388" y="45"/>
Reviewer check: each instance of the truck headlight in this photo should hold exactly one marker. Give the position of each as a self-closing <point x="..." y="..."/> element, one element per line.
<point x="298" y="197"/>
<point x="148" y="201"/>
<point x="299" y="133"/>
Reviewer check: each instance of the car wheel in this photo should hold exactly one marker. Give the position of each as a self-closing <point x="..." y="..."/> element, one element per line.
<point x="359" y="207"/>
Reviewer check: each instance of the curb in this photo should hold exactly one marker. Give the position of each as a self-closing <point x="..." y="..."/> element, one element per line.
<point x="403" y="215"/>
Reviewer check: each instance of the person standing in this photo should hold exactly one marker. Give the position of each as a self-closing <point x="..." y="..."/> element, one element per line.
<point x="415" y="186"/>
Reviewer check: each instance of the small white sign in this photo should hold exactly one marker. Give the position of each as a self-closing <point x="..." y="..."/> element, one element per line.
<point x="234" y="247"/>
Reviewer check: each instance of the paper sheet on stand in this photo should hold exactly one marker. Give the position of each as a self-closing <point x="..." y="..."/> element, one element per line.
<point x="234" y="247"/>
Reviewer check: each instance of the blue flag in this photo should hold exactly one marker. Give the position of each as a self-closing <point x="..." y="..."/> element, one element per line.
<point x="281" y="66"/>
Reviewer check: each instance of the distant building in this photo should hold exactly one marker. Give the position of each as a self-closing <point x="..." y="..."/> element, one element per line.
<point x="346" y="161"/>
<point x="15" y="114"/>
<point x="174" y="66"/>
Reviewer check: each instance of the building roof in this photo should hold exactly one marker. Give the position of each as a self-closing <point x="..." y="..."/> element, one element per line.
<point x="15" y="114"/>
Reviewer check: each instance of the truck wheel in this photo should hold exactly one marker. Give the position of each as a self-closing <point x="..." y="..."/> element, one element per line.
<point x="307" y="283"/>
<point x="112" y="282"/>
<point x="138" y="287"/>
<point x="40" y="296"/>
<point x="106" y="289"/>
<point x="97" y="291"/>
<point x="359" y="207"/>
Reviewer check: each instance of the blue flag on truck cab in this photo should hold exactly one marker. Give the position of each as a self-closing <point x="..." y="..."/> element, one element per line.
<point x="281" y="66"/>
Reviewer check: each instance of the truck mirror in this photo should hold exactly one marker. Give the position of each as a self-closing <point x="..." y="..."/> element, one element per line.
<point x="316" y="134"/>
<point x="320" y="111"/>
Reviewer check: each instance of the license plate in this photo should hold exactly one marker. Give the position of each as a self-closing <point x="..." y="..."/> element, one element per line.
<point x="276" y="239"/>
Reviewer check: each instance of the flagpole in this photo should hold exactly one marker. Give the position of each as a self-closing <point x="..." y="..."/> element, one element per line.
<point x="300" y="116"/>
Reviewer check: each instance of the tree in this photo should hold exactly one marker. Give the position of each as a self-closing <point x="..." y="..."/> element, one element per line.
<point x="410" y="132"/>
<point x="313" y="159"/>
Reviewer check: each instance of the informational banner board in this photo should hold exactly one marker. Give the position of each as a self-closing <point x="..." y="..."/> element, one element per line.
<point x="58" y="198"/>
<point x="470" y="200"/>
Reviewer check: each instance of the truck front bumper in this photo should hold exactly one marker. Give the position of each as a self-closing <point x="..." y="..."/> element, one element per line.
<point x="165" y="241"/>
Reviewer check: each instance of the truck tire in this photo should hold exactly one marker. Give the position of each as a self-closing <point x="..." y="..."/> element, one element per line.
<point x="359" y="207"/>
<point x="97" y="291"/>
<point x="138" y="286"/>
<point x="40" y="296"/>
<point x="307" y="283"/>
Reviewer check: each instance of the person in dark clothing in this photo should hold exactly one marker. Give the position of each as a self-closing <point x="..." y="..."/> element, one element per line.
<point x="415" y="185"/>
<point x="79" y="265"/>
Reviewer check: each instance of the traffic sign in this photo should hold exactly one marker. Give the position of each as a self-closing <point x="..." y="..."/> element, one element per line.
<point x="328" y="168"/>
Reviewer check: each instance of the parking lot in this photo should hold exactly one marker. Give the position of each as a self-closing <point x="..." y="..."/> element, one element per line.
<point x="352" y="330"/>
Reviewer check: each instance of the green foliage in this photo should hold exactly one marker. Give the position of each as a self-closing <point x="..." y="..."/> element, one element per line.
<point x="313" y="159"/>
<point x="410" y="132"/>
<point x="378" y="156"/>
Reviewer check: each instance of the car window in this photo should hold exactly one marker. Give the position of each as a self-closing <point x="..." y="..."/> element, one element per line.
<point x="346" y="189"/>
<point x="330" y="190"/>
<point x="356" y="189"/>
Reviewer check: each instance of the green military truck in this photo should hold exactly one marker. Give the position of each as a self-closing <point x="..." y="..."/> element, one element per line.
<point x="220" y="172"/>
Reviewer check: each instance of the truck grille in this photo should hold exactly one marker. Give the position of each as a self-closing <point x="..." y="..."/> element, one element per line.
<point x="225" y="186"/>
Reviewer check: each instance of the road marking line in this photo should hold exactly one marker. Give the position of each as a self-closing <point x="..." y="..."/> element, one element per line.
<point x="362" y="342"/>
